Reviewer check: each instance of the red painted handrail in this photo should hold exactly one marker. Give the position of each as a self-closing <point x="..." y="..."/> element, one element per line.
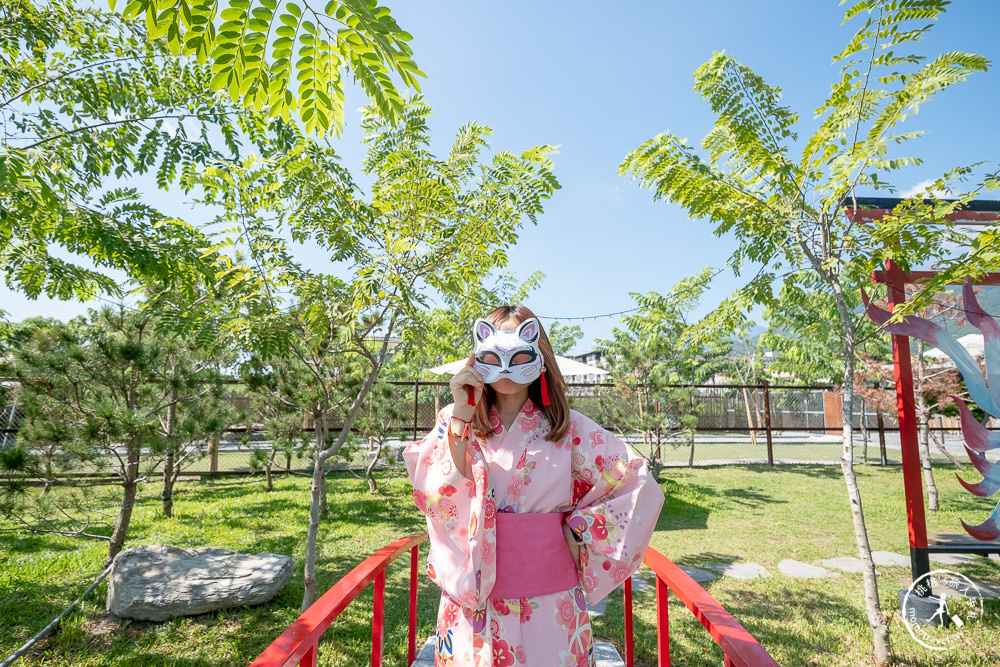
<point x="738" y="646"/>
<point x="299" y="644"/>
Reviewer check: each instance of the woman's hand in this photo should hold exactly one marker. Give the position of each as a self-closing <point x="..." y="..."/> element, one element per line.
<point x="574" y="546"/>
<point x="460" y="383"/>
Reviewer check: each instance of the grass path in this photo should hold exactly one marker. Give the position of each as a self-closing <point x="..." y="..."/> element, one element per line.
<point x="734" y="513"/>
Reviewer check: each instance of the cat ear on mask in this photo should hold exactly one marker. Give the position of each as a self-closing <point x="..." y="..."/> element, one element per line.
<point x="528" y="331"/>
<point x="482" y="330"/>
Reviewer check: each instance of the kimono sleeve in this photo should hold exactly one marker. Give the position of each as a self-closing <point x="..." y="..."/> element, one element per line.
<point x="461" y="519"/>
<point x="616" y="503"/>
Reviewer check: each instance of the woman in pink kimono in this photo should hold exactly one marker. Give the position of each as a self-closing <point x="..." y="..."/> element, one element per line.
<point x="532" y="508"/>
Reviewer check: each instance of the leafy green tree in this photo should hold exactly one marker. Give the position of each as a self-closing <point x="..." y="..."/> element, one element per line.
<point x="377" y="421"/>
<point x="446" y="331"/>
<point x="87" y="98"/>
<point x="106" y="395"/>
<point x="656" y="348"/>
<point x="281" y="418"/>
<point x="804" y="328"/>
<point x="191" y="375"/>
<point x="788" y="214"/>
<point x="284" y="57"/>
<point x="746" y="366"/>
<point x="563" y="337"/>
<point x="429" y="225"/>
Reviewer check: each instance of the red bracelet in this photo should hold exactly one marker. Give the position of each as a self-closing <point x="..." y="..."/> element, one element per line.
<point x="465" y="431"/>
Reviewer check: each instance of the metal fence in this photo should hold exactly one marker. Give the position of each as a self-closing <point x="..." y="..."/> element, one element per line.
<point x="773" y="424"/>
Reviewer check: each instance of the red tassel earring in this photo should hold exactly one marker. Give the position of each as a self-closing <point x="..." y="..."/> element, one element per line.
<point x="545" y="390"/>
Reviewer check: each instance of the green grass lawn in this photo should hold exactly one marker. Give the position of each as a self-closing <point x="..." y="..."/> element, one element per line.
<point x="748" y="513"/>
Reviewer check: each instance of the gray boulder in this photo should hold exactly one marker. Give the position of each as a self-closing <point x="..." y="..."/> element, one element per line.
<point x="156" y="583"/>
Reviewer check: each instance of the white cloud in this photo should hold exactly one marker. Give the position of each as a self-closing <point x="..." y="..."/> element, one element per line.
<point x="923" y="187"/>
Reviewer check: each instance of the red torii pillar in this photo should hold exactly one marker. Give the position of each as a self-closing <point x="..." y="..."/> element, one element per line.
<point x="896" y="280"/>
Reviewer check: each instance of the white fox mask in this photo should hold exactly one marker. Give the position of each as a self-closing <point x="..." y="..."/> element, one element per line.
<point x="508" y="353"/>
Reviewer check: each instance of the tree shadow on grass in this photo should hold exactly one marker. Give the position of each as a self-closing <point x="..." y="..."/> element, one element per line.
<point x="752" y="498"/>
<point x="25" y="543"/>
<point x="685" y="506"/>
<point x="809" y="470"/>
<point x="795" y="620"/>
<point x="688" y="505"/>
<point x="699" y="560"/>
<point x="27" y="609"/>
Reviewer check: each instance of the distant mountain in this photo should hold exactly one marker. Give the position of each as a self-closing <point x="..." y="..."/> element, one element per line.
<point x="740" y="345"/>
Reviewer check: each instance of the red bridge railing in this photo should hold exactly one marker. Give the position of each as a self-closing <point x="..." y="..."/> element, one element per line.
<point x="299" y="644"/>
<point x="739" y="647"/>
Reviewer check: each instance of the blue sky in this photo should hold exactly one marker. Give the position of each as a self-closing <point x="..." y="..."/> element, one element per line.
<point x="599" y="78"/>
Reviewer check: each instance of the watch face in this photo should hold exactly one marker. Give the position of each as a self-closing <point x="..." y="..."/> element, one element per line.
<point x="508" y="353"/>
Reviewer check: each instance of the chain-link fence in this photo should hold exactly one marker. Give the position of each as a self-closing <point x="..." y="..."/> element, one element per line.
<point x="772" y="424"/>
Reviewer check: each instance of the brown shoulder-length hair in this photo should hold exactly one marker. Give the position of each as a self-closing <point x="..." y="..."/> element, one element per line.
<point x="557" y="411"/>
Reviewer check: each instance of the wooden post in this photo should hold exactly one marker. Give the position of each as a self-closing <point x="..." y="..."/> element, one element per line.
<point x="767" y="422"/>
<point x="881" y="437"/>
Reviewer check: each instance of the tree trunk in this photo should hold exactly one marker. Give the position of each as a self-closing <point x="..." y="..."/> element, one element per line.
<point x="876" y="618"/>
<point x="864" y="431"/>
<point x="49" y="477"/>
<point x="750" y="422"/>
<point x="168" y="465"/>
<point x="372" y="486"/>
<point x="924" y="429"/>
<point x="948" y="455"/>
<point x="267" y="469"/>
<point x="642" y="419"/>
<point x="213" y="453"/>
<point x="321" y="431"/>
<point x="756" y="410"/>
<point x="168" y="484"/>
<point x="690" y="398"/>
<point x="129" y="491"/>
<point x="309" y="569"/>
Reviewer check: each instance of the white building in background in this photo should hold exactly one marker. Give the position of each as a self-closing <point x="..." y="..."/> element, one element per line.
<point x="592" y="358"/>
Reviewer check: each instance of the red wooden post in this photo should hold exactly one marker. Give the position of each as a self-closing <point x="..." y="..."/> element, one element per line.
<point x="910" y="454"/>
<point x="411" y="650"/>
<point x="629" y="642"/>
<point x="378" y="619"/>
<point x="311" y="658"/>
<point x="662" y="624"/>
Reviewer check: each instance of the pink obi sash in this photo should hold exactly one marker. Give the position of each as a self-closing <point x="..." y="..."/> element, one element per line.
<point x="532" y="556"/>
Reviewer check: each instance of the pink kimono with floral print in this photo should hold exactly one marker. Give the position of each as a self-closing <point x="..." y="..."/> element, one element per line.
<point x="614" y="504"/>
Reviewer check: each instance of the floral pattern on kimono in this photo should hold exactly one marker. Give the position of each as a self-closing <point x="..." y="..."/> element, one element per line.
<point x="611" y="503"/>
